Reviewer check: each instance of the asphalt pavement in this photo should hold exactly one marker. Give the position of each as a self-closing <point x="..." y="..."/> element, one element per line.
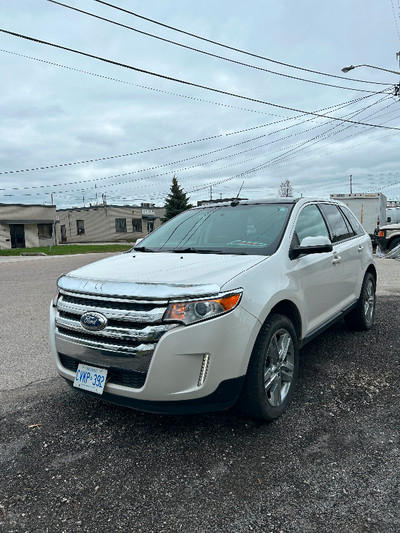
<point x="70" y="463"/>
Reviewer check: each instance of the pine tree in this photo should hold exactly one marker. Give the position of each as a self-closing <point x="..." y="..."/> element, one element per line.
<point x="176" y="201"/>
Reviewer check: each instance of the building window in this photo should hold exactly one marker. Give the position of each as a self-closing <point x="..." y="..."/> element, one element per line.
<point x="150" y="226"/>
<point x="80" y="227"/>
<point x="44" y="231"/>
<point x="120" y="225"/>
<point x="137" y="225"/>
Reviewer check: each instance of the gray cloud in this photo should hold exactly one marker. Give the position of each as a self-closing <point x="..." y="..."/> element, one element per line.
<point x="52" y="115"/>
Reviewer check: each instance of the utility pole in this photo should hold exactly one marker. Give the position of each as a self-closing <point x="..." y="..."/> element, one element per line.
<point x="351" y="184"/>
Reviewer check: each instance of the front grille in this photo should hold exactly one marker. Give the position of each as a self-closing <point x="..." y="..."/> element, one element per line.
<point x="128" y="378"/>
<point x="110" y="303"/>
<point x="125" y="346"/>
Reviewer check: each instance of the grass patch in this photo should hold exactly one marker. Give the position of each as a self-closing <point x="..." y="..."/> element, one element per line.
<point x="70" y="249"/>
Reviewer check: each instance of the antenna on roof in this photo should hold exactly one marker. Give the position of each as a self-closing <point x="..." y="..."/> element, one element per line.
<point x="235" y="202"/>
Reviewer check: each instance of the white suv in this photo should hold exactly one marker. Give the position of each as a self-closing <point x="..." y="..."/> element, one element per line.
<point x="210" y="310"/>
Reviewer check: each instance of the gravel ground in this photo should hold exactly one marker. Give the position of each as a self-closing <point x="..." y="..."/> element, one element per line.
<point x="70" y="463"/>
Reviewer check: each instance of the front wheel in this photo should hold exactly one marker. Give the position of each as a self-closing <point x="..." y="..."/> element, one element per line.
<point x="361" y="318"/>
<point x="272" y="371"/>
<point x="393" y="244"/>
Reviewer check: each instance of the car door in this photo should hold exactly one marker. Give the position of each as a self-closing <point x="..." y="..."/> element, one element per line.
<point x="316" y="274"/>
<point x="347" y="251"/>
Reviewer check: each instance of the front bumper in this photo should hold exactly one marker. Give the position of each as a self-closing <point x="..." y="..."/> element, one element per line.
<point x="224" y="397"/>
<point x="172" y="383"/>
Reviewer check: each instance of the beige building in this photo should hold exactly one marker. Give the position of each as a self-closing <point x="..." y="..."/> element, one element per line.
<point x="26" y="226"/>
<point x="107" y="223"/>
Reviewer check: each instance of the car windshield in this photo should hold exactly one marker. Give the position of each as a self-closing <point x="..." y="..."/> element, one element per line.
<point x="254" y="229"/>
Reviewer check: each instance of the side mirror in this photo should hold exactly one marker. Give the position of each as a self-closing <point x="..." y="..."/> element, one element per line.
<point x="138" y="241"/>
<point x="311" y="245"/>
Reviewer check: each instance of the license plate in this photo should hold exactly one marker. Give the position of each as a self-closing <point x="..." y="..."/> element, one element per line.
<point x="90" y="378"/>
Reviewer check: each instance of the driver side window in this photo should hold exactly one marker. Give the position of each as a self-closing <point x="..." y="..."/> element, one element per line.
<point x="310" y="224"/>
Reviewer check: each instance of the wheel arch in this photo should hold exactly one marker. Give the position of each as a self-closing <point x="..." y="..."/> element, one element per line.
<point x="372" y="270"/>
<point x="392" y="238"/>
<point x="286" y="308"/>
<point x="291" y="311"/>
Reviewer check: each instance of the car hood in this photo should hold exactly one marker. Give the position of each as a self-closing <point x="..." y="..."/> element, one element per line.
<point x="158" y="275"/>
<point x="395" y="226"/>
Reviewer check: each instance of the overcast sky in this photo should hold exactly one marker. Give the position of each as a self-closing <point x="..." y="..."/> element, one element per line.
<point x="103" y="129"/>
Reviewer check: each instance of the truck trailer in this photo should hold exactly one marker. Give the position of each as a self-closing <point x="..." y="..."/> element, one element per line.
<point x="369" y="208"/>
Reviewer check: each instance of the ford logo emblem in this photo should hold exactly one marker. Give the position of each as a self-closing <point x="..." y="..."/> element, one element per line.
<point x="93" y="321"/>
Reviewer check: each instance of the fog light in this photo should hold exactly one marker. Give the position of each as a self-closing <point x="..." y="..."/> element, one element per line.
<point x="204" y="368"/>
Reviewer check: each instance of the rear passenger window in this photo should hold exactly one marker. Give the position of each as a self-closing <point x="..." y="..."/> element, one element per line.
<point x="355" y="224"/>
<point x="340" y="227"/>
<point x="310" y="224"/>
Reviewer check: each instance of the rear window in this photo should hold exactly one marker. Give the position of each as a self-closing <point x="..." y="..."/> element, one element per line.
<point x="356" y="225"/>
<point x="340" y="227"/>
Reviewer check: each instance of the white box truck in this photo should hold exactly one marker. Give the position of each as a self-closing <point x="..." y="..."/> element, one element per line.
<point x="369" y="208"/>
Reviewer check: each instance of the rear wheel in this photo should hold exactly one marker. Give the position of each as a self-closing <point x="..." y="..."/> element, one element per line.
<point x="272" y="371"/>
<point x="361" y="318"/>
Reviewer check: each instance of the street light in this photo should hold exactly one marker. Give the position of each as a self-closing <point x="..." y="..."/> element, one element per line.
<point x="351" y="67"/>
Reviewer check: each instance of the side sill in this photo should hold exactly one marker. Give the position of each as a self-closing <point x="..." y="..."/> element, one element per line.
<point x="223" y="398"/>
<point x="313" y="334"/>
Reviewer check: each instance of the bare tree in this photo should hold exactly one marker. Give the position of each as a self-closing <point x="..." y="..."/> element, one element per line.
<point x="285" y="189"/>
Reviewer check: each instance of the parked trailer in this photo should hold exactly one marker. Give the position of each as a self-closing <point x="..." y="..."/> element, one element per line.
<point x="393" y="215"/>
<point x="369" y="208"/>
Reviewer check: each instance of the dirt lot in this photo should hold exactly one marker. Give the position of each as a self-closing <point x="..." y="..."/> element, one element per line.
<point x="70" y="463"/>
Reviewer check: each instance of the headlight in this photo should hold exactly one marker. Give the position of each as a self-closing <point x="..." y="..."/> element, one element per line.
<point x="198" y="310"/>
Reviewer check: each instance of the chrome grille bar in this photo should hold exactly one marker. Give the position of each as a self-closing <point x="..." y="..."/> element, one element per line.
<point x="153" y="315"/>
<point x="147" y="334"/>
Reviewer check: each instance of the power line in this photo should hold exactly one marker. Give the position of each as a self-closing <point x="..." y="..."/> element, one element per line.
<point x="338" y="107"/>
<point x="259" y="167"/>
<point x="139" y="152"/>
<point x="110" y="78"/>
<point x="232" y="47"/>
<point x="331" y="131"/>
<point x="327" y="134"/>
<point x="105" y="158"/>
<point x="395" y="19"/>
<point x="296" y="161"/>
<point x="271" y="162"/>
<point x="175" y="43"/>
<point x="184" y="82"/>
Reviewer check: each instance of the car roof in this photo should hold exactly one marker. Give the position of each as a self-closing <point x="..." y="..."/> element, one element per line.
<point x="283" y="200"/>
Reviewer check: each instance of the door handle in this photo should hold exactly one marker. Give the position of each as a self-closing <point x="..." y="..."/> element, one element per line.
<point x="336" y="259"/>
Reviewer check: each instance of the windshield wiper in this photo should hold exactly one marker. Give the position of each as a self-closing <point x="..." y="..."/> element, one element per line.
<point x="205" y="251"/>
<point x="187" y="251"/>
<point x="142" y="249"/>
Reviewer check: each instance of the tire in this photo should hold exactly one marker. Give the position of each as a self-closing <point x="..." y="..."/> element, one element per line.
<point x="272" y="371"/>
<point x="393" y="244"/>
<point x="361" y="318"/>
